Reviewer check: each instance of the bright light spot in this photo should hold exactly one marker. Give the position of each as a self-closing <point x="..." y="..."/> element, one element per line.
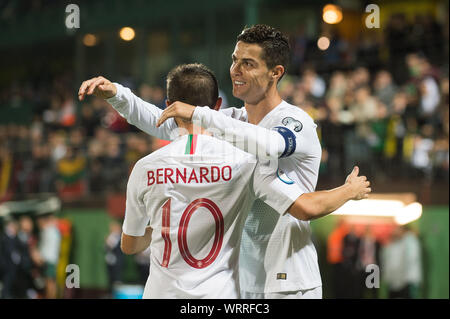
<point x="409" y="214"/>
<point x="90" y="40"/>
<point x="402" y="214"/>
<point x="332" y="14"/>
<point x="323" y="43"/>
<point x="370" y="207"/>
<point x="127" y="33"/>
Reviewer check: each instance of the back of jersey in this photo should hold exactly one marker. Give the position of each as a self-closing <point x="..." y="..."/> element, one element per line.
<point x="194" y="193"/>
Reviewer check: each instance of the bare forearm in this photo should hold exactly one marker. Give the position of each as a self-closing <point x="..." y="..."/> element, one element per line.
<point x="133" y="245"/>
<point x="144" y="241"/>
<point x="321" y="203"/>
<point x="329" y="200"/>
<point x="318" y="204"/>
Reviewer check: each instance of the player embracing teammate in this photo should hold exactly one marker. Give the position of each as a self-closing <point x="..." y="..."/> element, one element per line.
<point x="277" y="257"/>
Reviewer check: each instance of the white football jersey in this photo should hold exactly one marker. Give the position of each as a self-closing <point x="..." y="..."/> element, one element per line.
<point x="195" y="194"/>
<point x="277" y="253"/>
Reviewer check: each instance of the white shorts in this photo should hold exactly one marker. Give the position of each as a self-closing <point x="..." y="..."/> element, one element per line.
<point x="314" y="293"/>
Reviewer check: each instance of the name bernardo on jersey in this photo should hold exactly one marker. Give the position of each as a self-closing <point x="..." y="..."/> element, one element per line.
<point x="200" y="175"/>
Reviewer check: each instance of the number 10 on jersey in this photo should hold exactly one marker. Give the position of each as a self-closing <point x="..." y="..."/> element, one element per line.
<point x="182" y="233"/>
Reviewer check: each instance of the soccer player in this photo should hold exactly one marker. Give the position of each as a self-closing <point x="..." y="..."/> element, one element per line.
<point x="194" y="195"/>
<point x="278" y="258"/>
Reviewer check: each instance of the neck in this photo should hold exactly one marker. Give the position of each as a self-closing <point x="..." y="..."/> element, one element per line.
<point x="257" y="111"/>
<point x="189" y="128"/>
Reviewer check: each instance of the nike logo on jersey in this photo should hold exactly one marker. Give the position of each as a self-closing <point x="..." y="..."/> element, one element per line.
<point x="283" y="177"/>
<point x="200" y="175"/>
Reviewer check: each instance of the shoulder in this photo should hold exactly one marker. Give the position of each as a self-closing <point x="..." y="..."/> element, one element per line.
<point x="175" y="147"/>
<point x="290" y="121"/>
<point x="296" y="112"/>
<point x="156" y="157"/>
<point x="293" y="118"/>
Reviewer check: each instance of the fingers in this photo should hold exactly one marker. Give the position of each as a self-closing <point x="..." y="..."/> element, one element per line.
<point x="367" y="192"/>
<point x="166" y="114"/>
<point x="87" y="87"/>
<point x="94" y="85"/>
<point x="82" y="90"/>
<point x="355" y="171"/>
<point x="363" y="194"/>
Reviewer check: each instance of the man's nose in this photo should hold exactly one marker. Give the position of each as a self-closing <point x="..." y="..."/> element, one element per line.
<point x="235" y="69"/>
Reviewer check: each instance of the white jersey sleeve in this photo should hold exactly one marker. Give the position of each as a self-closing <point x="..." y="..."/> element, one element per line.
<point x="236" y="113"/>
<point x="136" y="218"/>
<point x="298" y="130"/>
<point x="253" y="139"/>
<point x="142" y="114"/>
<point x="285" y="132"/>
<point x="276" y="191"/>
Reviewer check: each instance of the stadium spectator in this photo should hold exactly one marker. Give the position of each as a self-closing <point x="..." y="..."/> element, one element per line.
<point x="335" y="258"/>
<point x="25" y="287"/>
<point x="114" y="257"/>
<point x="71" y="169"/>
<point x="10" y="258"/>
<point x="368" y="254"/>
<point x="114" y="168"/>
<point x="384" y="89"/>
<point x="350" y="257"/>
<point x="48" y="252"/>
<point x="402" y="264"/>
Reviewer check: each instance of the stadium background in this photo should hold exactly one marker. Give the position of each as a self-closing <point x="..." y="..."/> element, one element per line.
<point x="53" y="145"/>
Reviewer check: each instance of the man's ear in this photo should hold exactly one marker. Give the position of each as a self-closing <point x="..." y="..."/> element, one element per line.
<point x="277" y="72"/>
<point x="168" y="102"/>
<point x="218" y="103"/>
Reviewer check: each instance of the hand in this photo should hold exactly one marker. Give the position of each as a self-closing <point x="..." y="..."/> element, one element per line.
<point x="99" y="86"/>
<point x="359" y="185"/>
<point x="177" y="109"/>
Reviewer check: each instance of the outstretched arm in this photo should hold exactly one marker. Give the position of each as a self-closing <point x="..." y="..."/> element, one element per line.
<point x="321" y="203"/>
<point x="136" y="111"/>
<point x="259" y="141"/>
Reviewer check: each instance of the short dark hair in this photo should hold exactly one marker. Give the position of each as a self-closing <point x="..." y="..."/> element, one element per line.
<point x="275" y="45"/>
<point x="193" y="84"/>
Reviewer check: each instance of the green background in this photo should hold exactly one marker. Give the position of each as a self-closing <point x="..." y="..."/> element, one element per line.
<point x="90" y="228"/>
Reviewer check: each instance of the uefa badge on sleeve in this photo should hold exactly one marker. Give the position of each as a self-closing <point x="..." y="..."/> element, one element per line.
<point x="292" y="124"/>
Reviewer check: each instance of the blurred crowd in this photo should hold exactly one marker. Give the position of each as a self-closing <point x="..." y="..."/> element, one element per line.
<point x="389" y="116"/>
<point x="380" y="101"/>
<point x="35" y="250"/>
<point x="388" y="129"/>
<point x="115" y="261"/>
<point x="29" y="256"/>
<point x="72" y="153"/>
<point x="400" y="131"/>
<point x="362" y="259"/>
